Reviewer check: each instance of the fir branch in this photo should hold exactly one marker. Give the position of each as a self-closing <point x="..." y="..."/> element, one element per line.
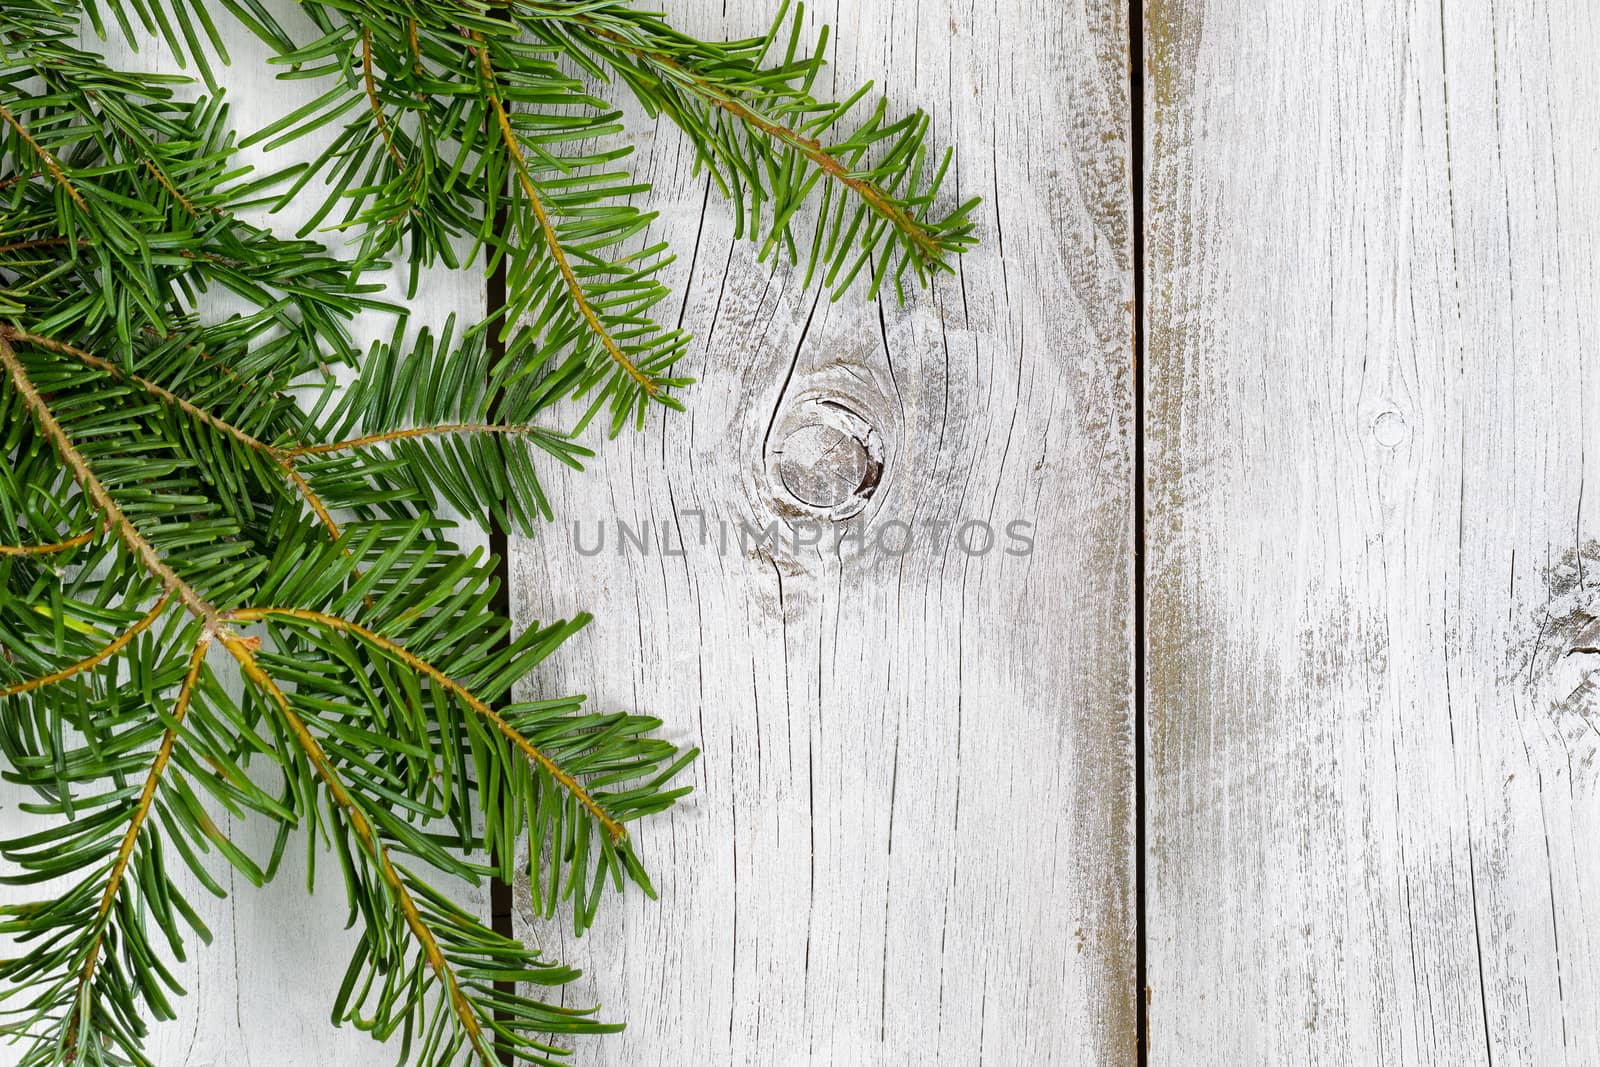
<point x="473" y="1010"/>
<point x="172" y="190"/>
<point x="237" y="381"/>
<point x="222" y="467"/>
<point x="477" y="442"/>
<point x="313" y="501"/>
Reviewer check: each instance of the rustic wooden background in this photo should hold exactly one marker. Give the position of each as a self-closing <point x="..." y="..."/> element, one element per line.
<point x="1362" y="824"/>
<point x="1372" y="322"/>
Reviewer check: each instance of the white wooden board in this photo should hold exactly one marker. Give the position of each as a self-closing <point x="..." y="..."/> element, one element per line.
<point x="1372" y="322"/>
<point x="912" y="836"/>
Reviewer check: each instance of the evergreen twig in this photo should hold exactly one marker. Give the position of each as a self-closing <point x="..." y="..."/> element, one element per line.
<point x="181" y="486"/>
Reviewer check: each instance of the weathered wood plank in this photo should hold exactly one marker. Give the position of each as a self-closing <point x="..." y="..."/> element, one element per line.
<point x="1372" y="314"/>
<point x="912" y="836"/>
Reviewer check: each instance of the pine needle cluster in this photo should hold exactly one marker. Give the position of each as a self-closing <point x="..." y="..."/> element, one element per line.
<point x="228" y="591"/>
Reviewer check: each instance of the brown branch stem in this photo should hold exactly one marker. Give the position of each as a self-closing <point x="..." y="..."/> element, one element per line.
<point x="278" y="456"/>
<point x="372" y="98"/>
<point x="115" y="645"/>
<point x="161" y="393"/>
<point x="130" y="839"/>
<point x="552" y="240"/>
<point x="166" y="184"/>
<point x="25" y="246"/>
<point x="92" y="487"/>
<point x="363" y="829"/>
<point x="401" y="435"/>
<point x="47" y="549"/>
<point x="49" y="160"/>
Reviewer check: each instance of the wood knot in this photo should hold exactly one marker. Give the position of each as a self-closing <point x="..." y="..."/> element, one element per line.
<point x="829" y="459"/>
<point x="1389" y="429"/>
